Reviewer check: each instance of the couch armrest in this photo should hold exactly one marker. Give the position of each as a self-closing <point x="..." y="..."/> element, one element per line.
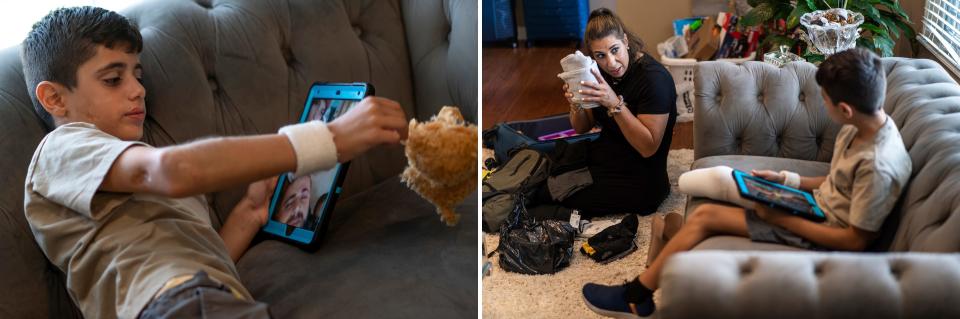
<point x="442" y="41"/>
<point x="713" y="284"/>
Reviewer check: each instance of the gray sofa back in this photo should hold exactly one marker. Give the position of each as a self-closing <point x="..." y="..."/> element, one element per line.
<point x="238" y="67"/>
<point x="758" y="109"/>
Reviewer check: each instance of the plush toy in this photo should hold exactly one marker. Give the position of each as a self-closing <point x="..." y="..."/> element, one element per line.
<point x="442" y="161"/>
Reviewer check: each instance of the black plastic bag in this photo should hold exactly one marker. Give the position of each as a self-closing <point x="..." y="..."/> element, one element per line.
<point x="614" y="242"/>
<point x="533" y="247"/>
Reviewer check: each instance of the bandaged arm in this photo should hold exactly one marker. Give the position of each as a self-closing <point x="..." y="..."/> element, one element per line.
<point x="214" y="164"/>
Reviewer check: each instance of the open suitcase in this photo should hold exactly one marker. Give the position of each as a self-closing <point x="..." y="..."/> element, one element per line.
<point x="540" y="134"/>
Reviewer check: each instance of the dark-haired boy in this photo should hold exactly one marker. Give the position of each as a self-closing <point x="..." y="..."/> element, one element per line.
<point x="868" y="171"/>
<point x="126" y="222"/>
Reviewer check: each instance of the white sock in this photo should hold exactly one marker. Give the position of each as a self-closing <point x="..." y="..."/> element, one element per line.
<point x="714" y="183"/>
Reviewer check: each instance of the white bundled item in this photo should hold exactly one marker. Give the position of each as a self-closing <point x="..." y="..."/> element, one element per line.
<point x="576" y="68"/>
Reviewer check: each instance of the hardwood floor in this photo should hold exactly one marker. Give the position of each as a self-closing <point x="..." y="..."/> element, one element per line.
<point x="522" y="84"/>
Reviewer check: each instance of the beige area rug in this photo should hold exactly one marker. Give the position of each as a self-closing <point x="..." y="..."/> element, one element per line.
<point x="512" y="295"/>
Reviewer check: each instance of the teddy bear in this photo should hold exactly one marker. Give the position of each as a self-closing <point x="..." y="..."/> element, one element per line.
<point x="442" y="161"/>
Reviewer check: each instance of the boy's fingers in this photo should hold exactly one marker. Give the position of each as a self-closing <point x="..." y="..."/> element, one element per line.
<point x="388" y="137"/>
<point x="272" y="184"/>
<point x="393" y="122"/>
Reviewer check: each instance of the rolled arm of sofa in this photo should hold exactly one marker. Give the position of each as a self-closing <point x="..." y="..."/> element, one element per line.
<point x="753" y="284"/>
<point x="442" y="40"/>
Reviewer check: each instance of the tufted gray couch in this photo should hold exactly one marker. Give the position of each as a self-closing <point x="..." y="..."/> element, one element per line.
<point x="243" y="67"/>
<point x="758" y="116"/>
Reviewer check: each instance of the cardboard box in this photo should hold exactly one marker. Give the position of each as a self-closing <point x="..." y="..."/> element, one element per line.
<point x="703" y="43"/>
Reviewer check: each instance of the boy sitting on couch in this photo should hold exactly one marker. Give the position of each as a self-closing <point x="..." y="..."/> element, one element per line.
<point x="868" y="171"/>
<point x="127" y="222"/>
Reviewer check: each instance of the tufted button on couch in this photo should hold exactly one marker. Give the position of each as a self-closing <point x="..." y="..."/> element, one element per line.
<point x="236" y="67"/>
<point x="913" y="269"/>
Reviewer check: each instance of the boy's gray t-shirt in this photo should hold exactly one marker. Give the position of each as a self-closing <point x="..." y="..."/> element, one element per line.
<point x="866" y="180"/>
<point x="117" y="249"/>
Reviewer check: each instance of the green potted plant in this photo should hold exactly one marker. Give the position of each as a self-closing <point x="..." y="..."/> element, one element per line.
<point x="884" y="22"/>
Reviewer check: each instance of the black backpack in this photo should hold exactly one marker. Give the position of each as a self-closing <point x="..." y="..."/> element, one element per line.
<point x="524" y="172"/>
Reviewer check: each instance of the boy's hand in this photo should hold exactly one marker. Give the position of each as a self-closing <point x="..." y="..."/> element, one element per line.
<point x="768" y="175"/>
<point x="254" y="205"/>
<point x="373" y="121"/>
<point x="247" y="218"/>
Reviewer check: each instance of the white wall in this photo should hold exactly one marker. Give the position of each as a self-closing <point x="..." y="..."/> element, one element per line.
<point x="18" y="17"/>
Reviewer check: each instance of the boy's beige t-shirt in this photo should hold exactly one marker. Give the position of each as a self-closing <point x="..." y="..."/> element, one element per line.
<point x="866" y="180"/>
<point x="117" y="249"/>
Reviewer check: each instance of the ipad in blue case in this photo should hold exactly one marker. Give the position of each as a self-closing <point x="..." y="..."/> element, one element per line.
<point x="789" y="199"/>
<point x="300" y="208"/>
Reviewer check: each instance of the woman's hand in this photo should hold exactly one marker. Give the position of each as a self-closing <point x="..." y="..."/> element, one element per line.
<point x="599" y="92"/>
<point x="568" y="94"/>
<point x="768" y="175"/>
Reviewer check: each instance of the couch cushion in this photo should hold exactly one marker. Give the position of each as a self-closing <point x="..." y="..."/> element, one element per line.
<point x="746" y="163"/>
<point x="33" y="288"/>
<point x="759" y="109"/>
<point x="387" y="255"/>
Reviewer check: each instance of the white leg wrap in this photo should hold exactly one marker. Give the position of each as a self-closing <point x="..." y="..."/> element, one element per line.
<point x="714" y="183"/>
<point x="313" y="144"/>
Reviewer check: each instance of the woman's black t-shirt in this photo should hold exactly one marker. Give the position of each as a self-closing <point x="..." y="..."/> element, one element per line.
<point x="647" y="88"/>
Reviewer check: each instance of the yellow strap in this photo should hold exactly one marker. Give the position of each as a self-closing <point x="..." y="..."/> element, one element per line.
<point x="590" y="251"/>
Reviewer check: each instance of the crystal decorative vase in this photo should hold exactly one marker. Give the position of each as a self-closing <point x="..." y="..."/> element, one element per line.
<point x="781" y="57"/>
<point x="831" y="31"/>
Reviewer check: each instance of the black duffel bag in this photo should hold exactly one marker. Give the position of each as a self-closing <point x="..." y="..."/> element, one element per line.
<point x="534" y="247"/>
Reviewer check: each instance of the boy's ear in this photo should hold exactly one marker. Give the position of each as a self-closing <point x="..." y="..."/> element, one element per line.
<point x="50" y="95"/>
<point x="846" y="110"/>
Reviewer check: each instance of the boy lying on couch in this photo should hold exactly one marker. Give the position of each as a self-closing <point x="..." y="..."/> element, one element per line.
<point x="868" y="171"/>
<point x="127" y="222"/>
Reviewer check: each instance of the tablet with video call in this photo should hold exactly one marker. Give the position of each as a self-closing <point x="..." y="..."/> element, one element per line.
<point x="300" y="207"/>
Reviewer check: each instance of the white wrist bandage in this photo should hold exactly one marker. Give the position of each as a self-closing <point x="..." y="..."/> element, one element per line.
<point x="790" y="179"/>
<point x="313" y="144"/>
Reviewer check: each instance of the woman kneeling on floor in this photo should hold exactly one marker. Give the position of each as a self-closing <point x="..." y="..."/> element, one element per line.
<point x="636" y="94"/>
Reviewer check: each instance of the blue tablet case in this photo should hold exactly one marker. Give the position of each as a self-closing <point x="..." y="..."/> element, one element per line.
<point x="309" y="237"/>
<point x="778" y="195"/>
